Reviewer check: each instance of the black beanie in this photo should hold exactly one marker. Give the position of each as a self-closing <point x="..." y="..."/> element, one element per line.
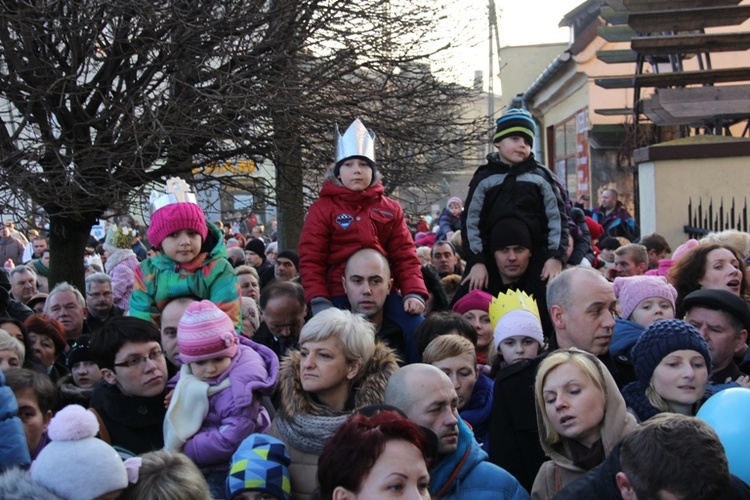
<point x="291" y="255"/>
<point x="510" y="232"/>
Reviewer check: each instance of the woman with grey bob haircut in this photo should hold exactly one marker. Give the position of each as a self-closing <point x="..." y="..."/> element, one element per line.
<point x="338" y="369"/>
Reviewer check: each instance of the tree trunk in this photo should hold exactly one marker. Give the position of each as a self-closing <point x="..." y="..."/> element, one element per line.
<point x="289" y="186"/>
<point x="67" y="241"/>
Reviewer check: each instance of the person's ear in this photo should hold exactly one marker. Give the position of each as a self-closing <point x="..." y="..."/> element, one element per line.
<point x="341" y="493"/>
<point x="353" y="369"/>
<point x="390" y="284"/>
<point x="557" y="314"/>
<point x="626" y="489"/>
<point x="740" y="340"/>
<point x="109" y="376"/>
<point x="47" y="418"/>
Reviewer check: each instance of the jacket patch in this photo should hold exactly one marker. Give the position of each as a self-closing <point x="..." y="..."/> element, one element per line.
<point x="344" y="220"/>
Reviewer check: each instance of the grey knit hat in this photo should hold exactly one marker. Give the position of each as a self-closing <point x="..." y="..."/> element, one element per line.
<point x="660" y="339"/>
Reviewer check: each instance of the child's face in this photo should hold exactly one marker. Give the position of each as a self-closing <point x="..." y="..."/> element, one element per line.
<point x="513" y="149"/>
<point x="455" y="209"/>
<point x="208" y="370"/>
<point x="607" y="255"/>
<point x="355" y="174"/>
<point x="182" y="246"/>
<point x="650" y="310"/>
<point x="517" y="348"/>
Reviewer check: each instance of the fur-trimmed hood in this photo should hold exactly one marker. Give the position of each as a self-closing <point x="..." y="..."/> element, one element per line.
<point x="368" y="390"/>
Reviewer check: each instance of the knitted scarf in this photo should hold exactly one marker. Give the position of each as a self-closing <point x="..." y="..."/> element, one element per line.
<point x="41" y="268"/>
<point x="635" y="397"/>
<point x="308" y="433"/>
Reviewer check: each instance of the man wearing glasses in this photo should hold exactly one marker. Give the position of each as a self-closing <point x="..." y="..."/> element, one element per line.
<point x="130" y="400"/>
<point x="100" y="301"/>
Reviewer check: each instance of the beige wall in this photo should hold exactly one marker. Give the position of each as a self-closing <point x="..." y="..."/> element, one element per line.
<point x="667" y="186"/>
<point x="520" y="66"/>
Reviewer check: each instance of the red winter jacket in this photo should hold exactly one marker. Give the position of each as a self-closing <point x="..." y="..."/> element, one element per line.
<point x="343" y="221"/>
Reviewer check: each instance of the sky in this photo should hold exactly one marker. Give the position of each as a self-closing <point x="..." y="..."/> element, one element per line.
<point x="521" y="22"/>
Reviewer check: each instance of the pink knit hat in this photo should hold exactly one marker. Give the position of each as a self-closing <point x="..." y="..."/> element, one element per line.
<point x="476" y="299"/>
<point x="632" y="290"/>
<point x="205" y="332"/>
<point x="175" y="217"/>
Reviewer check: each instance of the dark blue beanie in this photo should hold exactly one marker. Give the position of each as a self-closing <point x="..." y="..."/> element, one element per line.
<point x="664" y="337"/>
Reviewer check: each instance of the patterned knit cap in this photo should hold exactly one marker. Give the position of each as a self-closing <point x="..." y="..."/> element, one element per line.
<point x="662" y="338"/>
<point x="633" y="290"/>
<point x="516" y="122"/>
<point x="260" y="464"/>
<point x="205" y="332"/>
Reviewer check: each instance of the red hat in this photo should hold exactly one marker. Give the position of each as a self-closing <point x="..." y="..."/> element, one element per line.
<point x="175" y="217"/>
<point x="595" y="228"/>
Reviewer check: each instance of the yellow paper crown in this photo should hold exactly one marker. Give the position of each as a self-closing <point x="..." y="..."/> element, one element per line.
<point x="511" y="301"/>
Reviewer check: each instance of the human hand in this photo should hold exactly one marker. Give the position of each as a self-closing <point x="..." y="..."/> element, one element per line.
<point x="743" y="381"/>
<point x="551" y="268"/>
<point x="413" y="306"/>
<point x="477" y="277"/>
<point x="168" y="398"/>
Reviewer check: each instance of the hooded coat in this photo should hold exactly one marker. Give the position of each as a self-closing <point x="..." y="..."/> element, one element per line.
<point x="561" y="470"/>
<point x="304" y="425"/>
<point x="209" y="276"/>
<point x="123" y="267"/>
<point x="343" y="221"/>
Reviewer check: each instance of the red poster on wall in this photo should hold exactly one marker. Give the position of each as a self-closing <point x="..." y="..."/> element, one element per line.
<point x="582" y="153"/>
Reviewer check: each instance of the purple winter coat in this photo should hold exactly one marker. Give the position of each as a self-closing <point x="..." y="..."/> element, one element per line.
<point x="235" y="412"/>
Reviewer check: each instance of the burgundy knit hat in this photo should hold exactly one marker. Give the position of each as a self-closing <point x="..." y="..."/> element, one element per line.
<point x="205" y="332"/>
<point x="175" y="217"/>
<point x="476" y="299"/>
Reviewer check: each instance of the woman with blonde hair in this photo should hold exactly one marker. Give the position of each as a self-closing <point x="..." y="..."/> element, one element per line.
<point x="338" y="369"/>
<point x="581" y="416"/>
<point x="672" y="363"/>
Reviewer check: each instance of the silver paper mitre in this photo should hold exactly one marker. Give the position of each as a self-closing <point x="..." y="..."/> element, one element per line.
<point x="177" y="191"/>
<point x="356" y="141"/>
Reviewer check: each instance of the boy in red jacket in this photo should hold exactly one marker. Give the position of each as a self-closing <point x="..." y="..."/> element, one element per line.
<point x="353" y="213"/>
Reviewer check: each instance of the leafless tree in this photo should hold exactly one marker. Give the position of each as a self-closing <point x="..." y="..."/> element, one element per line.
<point x="101" y="98"/>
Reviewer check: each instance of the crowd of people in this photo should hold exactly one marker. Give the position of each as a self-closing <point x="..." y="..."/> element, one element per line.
<point x="523" y="347"/>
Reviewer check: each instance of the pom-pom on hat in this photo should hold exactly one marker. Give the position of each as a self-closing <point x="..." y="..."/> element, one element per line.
<point x="474" y="300"/>
<point x="515" y="121"/>
<point x="662" y="338"/>
<point x="205" y="332"/>
<point x="75" y="464"/>
<point x="174" y="211"/>
<point x="261" y="463"/>
<point x="633" y="290"/>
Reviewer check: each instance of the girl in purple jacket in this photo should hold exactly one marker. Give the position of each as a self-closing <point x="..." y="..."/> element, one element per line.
<point x="216" y="402"/>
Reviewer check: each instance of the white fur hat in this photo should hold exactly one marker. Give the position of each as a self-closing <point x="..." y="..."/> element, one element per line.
<point x="76" y="465"/>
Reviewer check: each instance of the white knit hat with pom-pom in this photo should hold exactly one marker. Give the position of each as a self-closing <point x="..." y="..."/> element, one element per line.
<point x="76" y="465"/>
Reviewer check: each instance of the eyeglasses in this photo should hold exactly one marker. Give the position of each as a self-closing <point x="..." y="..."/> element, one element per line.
<point x="104" y="295"/>
<point x="134" y="361"/>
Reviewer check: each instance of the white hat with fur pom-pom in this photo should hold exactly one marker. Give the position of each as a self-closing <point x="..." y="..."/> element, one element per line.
<point x="77" y="465"/>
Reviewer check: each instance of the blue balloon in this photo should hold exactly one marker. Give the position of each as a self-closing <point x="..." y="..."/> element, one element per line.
<point x="728" y="412"/>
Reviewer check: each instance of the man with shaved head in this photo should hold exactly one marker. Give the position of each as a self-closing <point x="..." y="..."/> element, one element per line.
<point x="427" y="396"/>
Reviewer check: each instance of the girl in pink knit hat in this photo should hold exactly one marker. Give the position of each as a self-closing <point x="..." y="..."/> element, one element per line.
<point x="216" y="401"/>
<point x="192" y="261"/>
